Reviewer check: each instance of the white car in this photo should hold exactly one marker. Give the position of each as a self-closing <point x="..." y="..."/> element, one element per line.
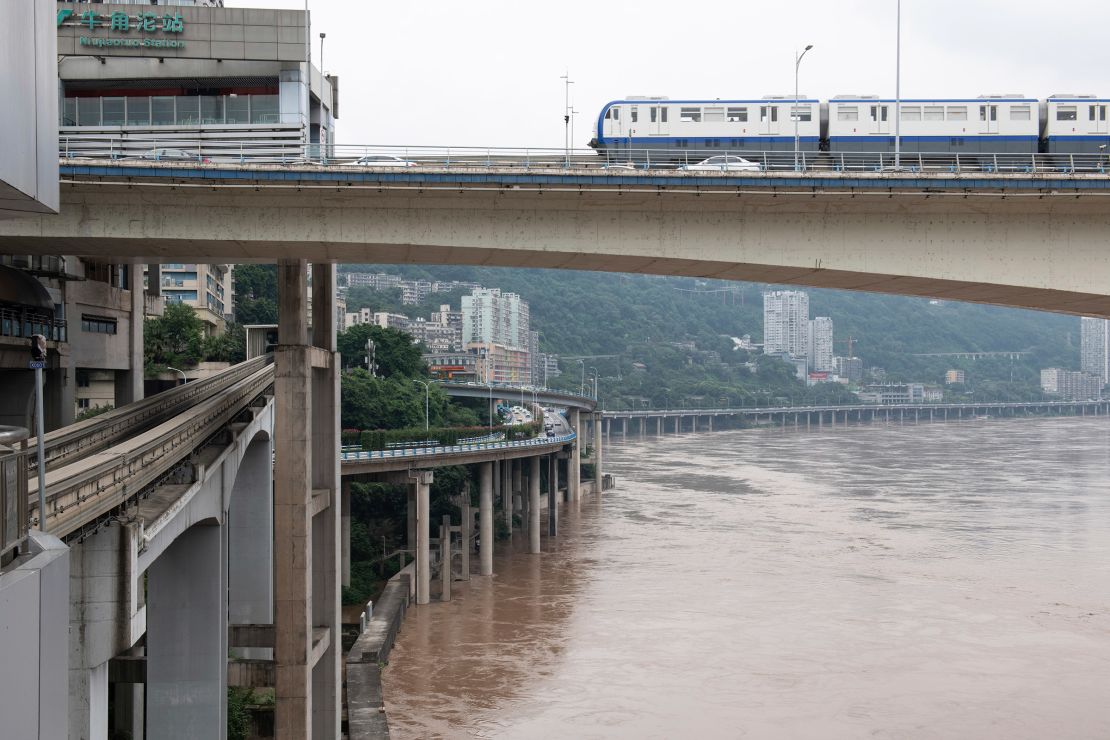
<point x="380" y="160"/>
<point x="722" y="163"/>
<point x="172" y="155"/>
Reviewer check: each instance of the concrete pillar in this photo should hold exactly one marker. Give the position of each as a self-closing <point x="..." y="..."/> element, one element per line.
<point x="186" y="652"/>
<point x="345" y="529"/>
<point x="598" y="457"/>
<point x="507" y="495"/>
<point x="485" y="517"/>
<point x="659" y="426"/>
<point x="466" y="537"/>
<point x="129" y="383"/>
<point x="445" y="558"/>
<point x="574" y="462"/>
<point x="677" y="425"/>
<point x="422" y="482"/>
<point x="534" y="503"/>
<point x="518" y="491"/>
<point x="710" y="423"/>
<point x="250" y="543"/>
<point x="553" y="496"/>
<point x="624" y="430"/>
<point x="128" y="707"/>
<point x="410" y="519"/>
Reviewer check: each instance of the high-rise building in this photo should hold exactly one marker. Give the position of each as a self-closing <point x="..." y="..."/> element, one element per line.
<point x="954" y="376"/>
<point x="490" y="316"/>
<point x="207" y="288"/>
<point x="786" y="322"/>
<point x="1094" y="347"/>
<point x="821" y="344"/>
<point x="849" y="368"/>
<point x="1071" y="385"/>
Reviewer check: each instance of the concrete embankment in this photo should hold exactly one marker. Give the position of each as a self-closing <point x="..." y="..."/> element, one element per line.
<point x="365" y="708"/>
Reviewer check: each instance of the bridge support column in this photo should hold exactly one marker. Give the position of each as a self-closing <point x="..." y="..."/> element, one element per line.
<point x="710" y="423"/>
<point x="677" y="425"/>
<point x="534" y="503"/>
<point x="507" y="495"/>
<point x="250" y="543"/>
<point x="345" y="529"/>
<point x="599" y="476"/>
<point x="659" y="426"/>
<point x="485" y="517"/>
<point x="574" y="462"/>
<point x="446" y="559"/>
<point x="421" y="482"/>
<point x="129" y="383"/>
<point x="186" y="650"/>
<point x="307" y="555"/>
<point x="553" y="496"/>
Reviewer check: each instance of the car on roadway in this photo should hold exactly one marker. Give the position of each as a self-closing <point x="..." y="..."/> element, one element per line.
<point x="722" y="163"/>
<point x="379" y="160"/>
<point x="160" y="154"/>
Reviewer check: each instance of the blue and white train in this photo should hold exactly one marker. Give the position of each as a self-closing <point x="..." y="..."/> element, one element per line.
<point x="995" y="124"/>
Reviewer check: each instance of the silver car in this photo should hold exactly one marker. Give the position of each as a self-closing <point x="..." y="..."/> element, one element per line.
<point x="722" y="163"/>
<point x="380" y="160"/>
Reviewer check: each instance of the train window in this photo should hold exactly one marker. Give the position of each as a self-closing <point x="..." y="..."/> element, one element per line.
<point x="801" y="112"/>
<point x="768" y="112"/>
<point x="879" y="112"/>
<point x="1097" y="113"/>
<point x="957" y="113"/>
<point x="609" y="115"/>
<point x="985" y="110"/>
<point x="635" y="113"/>
<point x="662" y="115"/>
<point x="1066" y="113"/>
<point x="911" y="113"/>
<point x="934" y="113"/>
<point x="689" y="115"/>
<point x="847" y="113"/>
<point x="738" y="115"/>
<point x="616" y="114"/>
<point x="714" y="114"/>
<point x="1020" y="113"/>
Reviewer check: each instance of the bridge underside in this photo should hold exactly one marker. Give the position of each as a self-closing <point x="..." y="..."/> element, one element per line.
<point x="1031" y="250"/>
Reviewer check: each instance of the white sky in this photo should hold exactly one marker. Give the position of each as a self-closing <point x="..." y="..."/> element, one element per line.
<point x="486" y="72"/>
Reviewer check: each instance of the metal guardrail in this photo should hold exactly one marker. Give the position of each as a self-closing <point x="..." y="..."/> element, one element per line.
<point x="89" y="436"/>
<point x="514" y="389"/>
<point x="425" y="452"/>
<point x="142" y="150"/>
<point x="92" y="487"/>
<point x="13" y="490"/>
<point x="612" y="413"/>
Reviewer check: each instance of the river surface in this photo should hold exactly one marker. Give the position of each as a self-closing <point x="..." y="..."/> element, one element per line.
<point x="945" y="580"/>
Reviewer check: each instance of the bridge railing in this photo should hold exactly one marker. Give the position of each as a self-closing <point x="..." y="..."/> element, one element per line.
<point x="13" y="490"/>
<point x="515" y="389"/>
<point x="180" y="150"/>
<point x="1055" y="403"/>
<point x="438" y="450"/>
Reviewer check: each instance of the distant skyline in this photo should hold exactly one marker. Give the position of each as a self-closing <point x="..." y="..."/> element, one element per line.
<point x="487" y="73"/>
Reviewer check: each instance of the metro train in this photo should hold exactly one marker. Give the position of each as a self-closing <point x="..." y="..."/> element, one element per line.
<point x="995" y="124"/>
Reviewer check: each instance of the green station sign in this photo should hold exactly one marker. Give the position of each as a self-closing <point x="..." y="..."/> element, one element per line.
<point x="142" y="30"/>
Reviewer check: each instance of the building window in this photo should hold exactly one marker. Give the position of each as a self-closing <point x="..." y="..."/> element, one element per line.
<point x="264" y="109"/>
<point x="161" y="111"/>
<point x="1066" y="113"/>
<point x="82" y="403"/>
<point x="112" y="112"/>
<point x="138" y="111"/>
<point x="82" y="378"/>
<point x="98" y="324"/>
<point x="847" y="113"/>
<point x="88" y="111"/>
<point x="689" y="115"/>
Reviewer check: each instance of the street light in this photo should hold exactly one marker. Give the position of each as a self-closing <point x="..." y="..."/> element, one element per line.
<point x="797" y="113"/>
<point x="582" y="384"/>
<point x="427" y="392"/>
<point x="566" y="115"/>
<point x="595" y="382"/>
<point x="898" y="88"/>
<point x="322" y="37"/>
<point x="184" y="380"/>
<point x="490" y="407"/>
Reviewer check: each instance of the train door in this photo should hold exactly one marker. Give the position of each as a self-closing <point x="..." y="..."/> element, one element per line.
<point x="880" y="118"/>
<point x="988" y="118"/>
<point x="657" y="120"/>
<point x="1097" y="118"/>
<point x="613" y="118"/>
<point x="768" y="119"/>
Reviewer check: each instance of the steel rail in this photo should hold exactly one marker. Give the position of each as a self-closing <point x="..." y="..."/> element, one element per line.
<point x="92" y="487"/>
<point x="102" y="431"/>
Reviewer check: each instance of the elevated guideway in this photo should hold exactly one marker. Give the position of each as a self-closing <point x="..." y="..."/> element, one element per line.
<point x="542" y="396"/>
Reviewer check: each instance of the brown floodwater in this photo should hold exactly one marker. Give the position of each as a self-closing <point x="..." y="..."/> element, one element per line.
<point x="885" y="581"/>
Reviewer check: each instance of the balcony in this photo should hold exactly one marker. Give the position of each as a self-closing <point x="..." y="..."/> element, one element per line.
<point x="15" y="322"/>
<point x="153" y="305"/>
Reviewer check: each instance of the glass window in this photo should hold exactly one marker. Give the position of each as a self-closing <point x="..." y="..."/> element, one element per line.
<point x="714" y="114"/>
<point x="663" y="115"/>
<point x="911" y="113"/>
<point x="138" y="111"/>
<point x="212" y="109"/>
<point x="635" y="113"/>
<point x="1066" y="113"/>
<point x="188" y="110"/>
<point x="957" y="113"/>
<point x="69" y="112"/>
<point x="238" y="110"/>
<point x="654" y="113"/>
<point x="768" y="112"/>
<point x="738" y="115"/>
<point x="264" y="109"/>
<point x="689" y="115"/>
<point x="1020" y="112"/>
<point x="112" y="111"/>
<point x="161" y="111"/>
<point x="98" y="324"/>
<point x="616" y="113"/>
<point x="88" y="111"/>
<point x="934" y="113"/>
<point x="847" y="113"/>
<point x="801" y="112"/>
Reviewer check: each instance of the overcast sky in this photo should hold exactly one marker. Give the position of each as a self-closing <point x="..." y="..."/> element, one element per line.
<point x="486" y="72"/>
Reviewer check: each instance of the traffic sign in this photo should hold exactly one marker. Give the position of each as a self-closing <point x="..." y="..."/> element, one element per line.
<point x="37" y="364"/>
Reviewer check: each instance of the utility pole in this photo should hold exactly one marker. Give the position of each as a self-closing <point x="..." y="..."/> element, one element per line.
<point x="38" y="363"/>
<point x="566" y="116"/>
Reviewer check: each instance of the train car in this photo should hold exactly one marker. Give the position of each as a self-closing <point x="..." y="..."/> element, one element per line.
<point x="995" y="124"/>
<point x="1076" y="124"/>
<point x="671" y="130"/>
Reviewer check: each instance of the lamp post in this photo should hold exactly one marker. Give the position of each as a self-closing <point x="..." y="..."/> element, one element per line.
<point x="898" y="88"/>
<point x="566" y="116"/>
<point x="184" y="380"/>
<point x="322" y="37"/>
<point x="490" y="407"/>
<point x="582" y="384"/>
<point x="797" y="113"/>
<point x="595" y="382"/>
<point x="427" y="393"/>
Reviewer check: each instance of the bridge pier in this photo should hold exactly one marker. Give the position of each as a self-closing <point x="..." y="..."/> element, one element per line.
<point x="677" y="425"/>
<point x="710" y="423"/>
<point x="420" y="483"/>
<point x="553" y="496"/>
<point x="345" y="532"/>
<point x="659" y="426"/>
<point x="598" y="456"/>
<point x="518" y="493"/>
<point x="186" y="647"/>
<point x="534" y="503"/>
<point x="507" y="495"/>
<point x="485" y="518"/>
<point x="574" y="462"/>
<point x="250" y="543"/>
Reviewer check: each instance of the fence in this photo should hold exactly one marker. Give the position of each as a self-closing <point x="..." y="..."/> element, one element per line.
<point x="13" y="490"/>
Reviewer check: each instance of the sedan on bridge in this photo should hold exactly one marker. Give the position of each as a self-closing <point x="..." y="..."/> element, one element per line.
<point x="722" y="163"/>
<point x="379" y="160"/>
<point x="173" y="155"/>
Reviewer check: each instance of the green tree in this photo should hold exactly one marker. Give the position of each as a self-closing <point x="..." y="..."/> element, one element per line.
<point x="255" y="294"/>
<point x="175" y="338"/>
<point x="394" y="351"/>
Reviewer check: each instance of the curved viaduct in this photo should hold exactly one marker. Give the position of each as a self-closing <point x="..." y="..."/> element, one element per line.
<point x="1032" y="241"/>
